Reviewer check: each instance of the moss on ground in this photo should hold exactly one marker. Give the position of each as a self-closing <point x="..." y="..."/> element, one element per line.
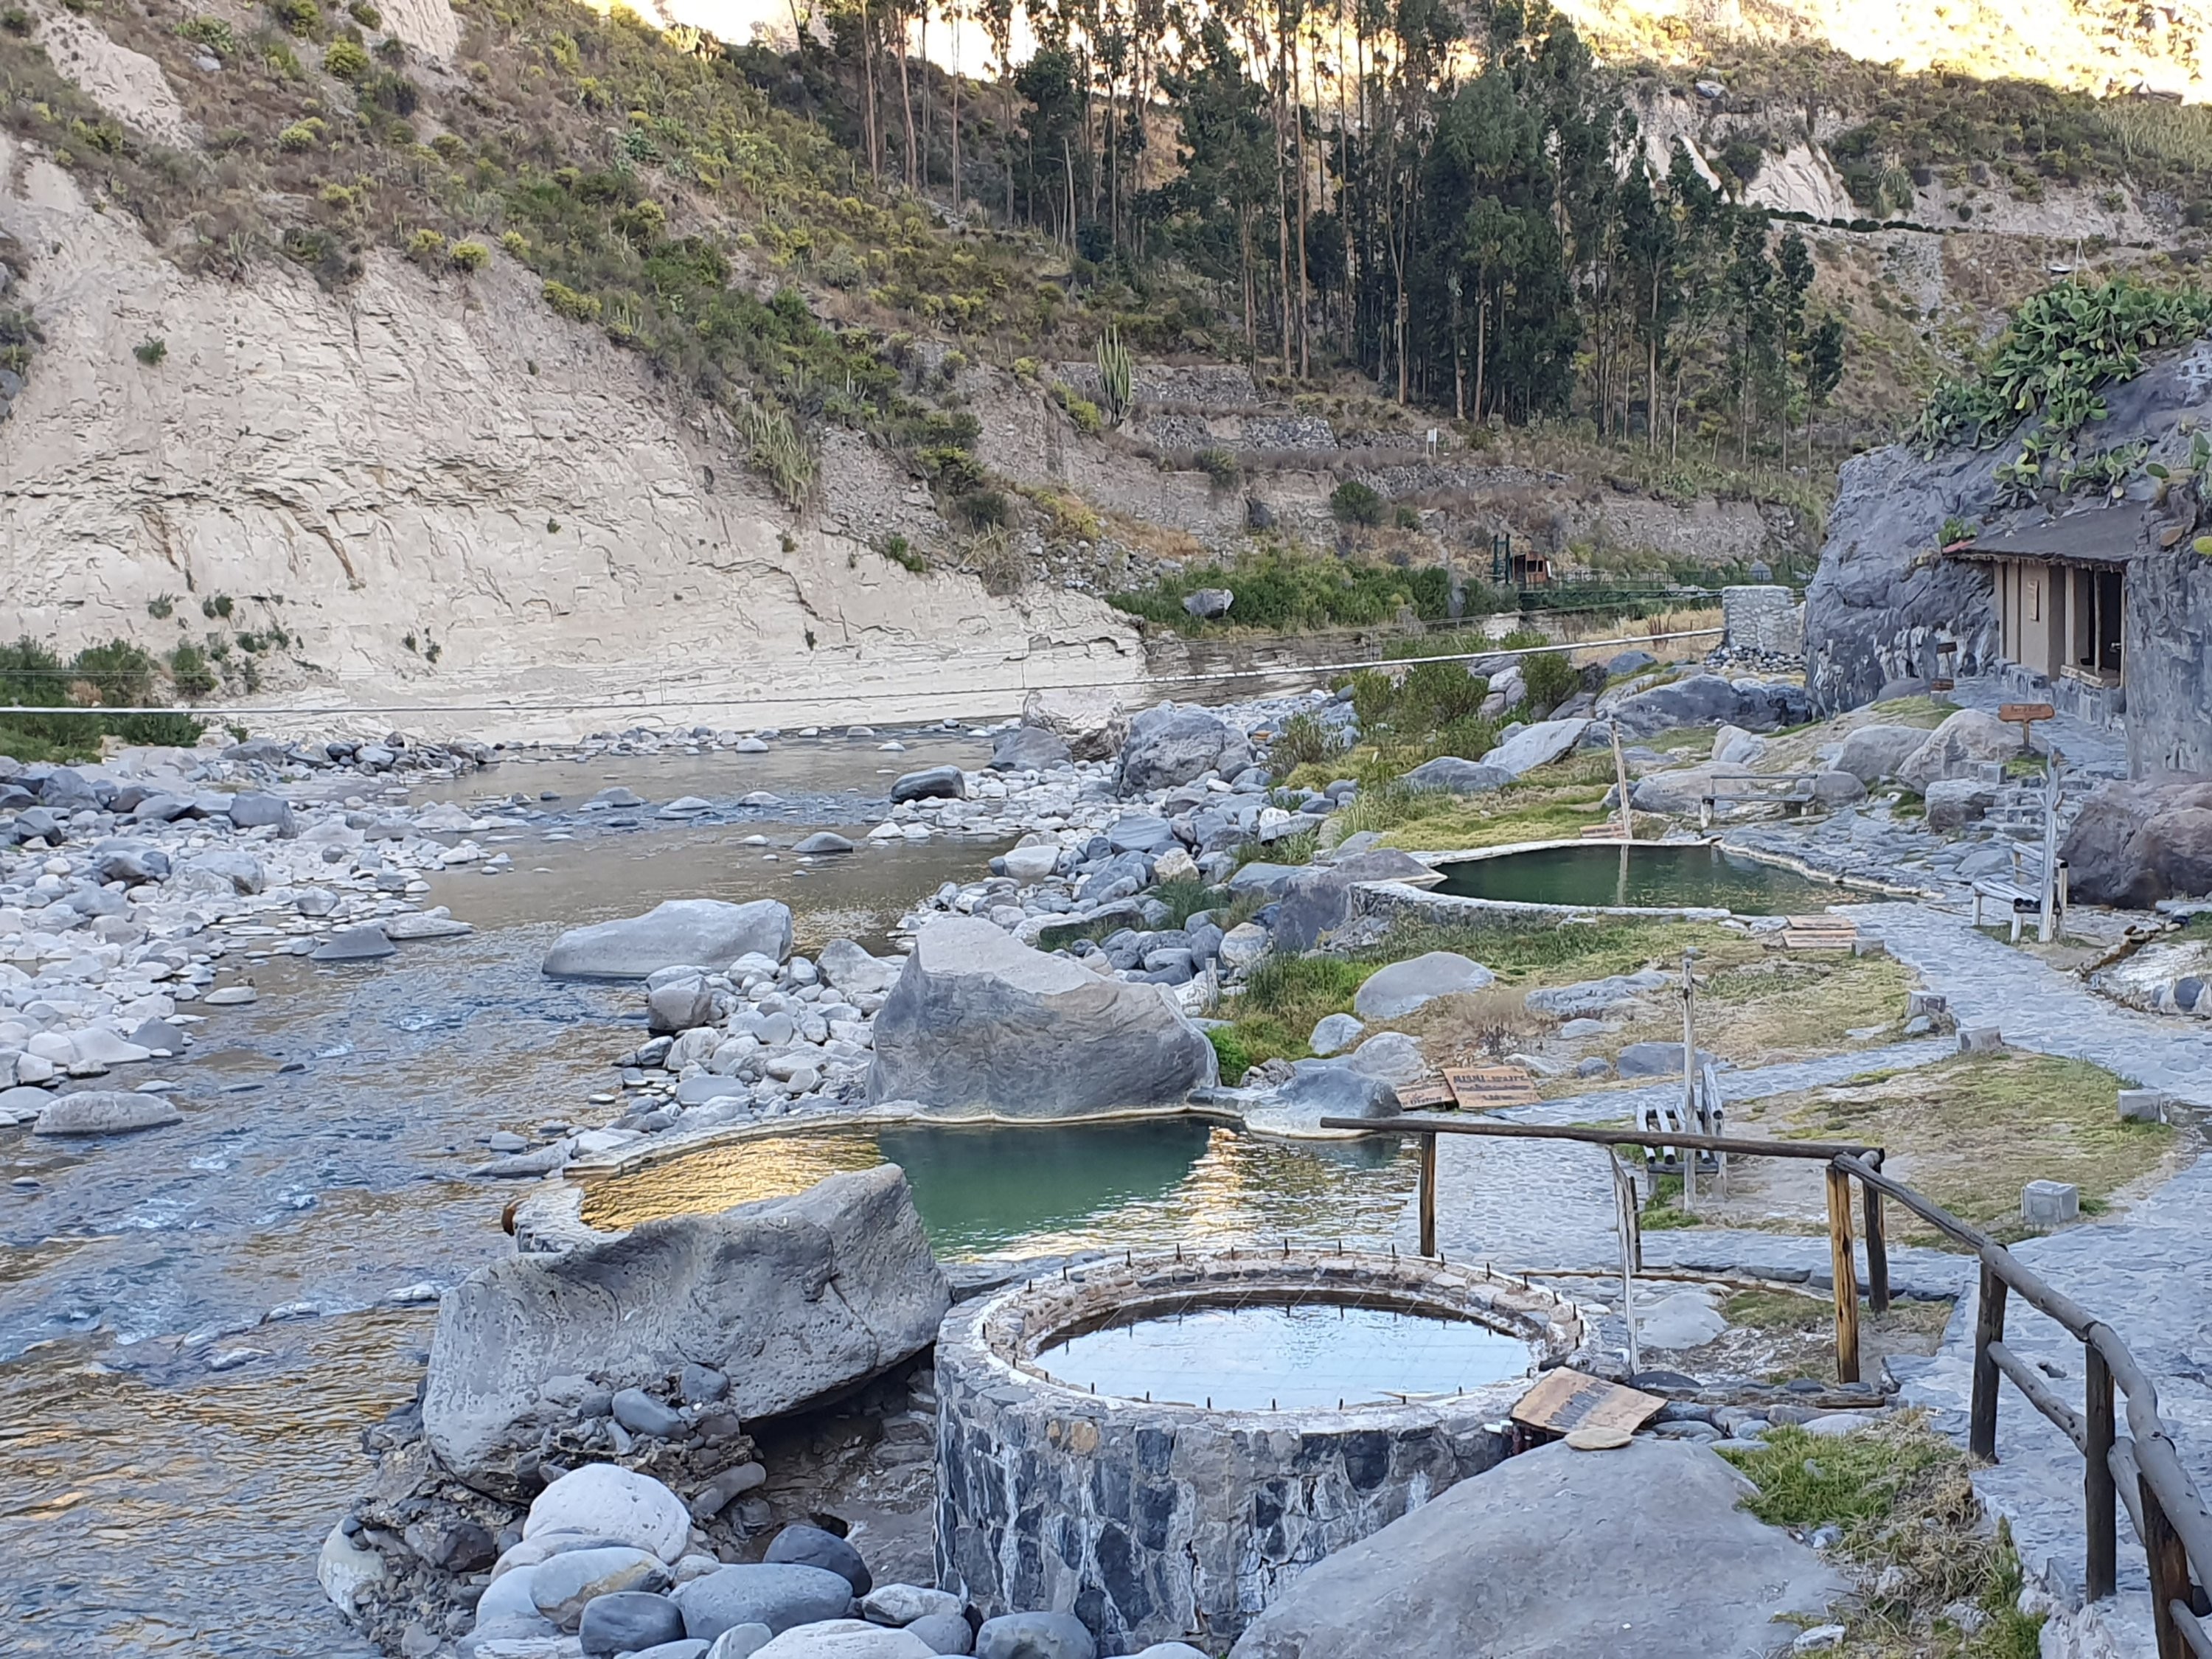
<point x="1914" y="1535"/>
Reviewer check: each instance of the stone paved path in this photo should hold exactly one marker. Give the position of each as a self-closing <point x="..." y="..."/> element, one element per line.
<point x="2102" y="750"/>
<point x="2149" y="1274"/>
<point x="2035" y="1005"/>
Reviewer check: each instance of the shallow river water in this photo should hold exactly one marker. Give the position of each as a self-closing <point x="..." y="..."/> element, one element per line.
<point x="168" y="1461"/>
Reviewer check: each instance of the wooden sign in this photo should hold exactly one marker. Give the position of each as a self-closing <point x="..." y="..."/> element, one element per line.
<point x="2017" y="713"/>
<point x="1425" y="1095"/>
<point x="1564" y="1400"/>
<point x="1820" y="934"/>
<point x="1487" y="1088"/>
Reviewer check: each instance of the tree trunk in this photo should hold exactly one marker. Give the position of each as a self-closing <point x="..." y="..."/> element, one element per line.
<point x="868" y="104"/>
<point x="906" y="104"/>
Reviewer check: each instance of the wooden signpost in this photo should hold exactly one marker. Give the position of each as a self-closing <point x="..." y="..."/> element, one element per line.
<point x="1487" y="1088"/>
<point x="2024" y="715"/>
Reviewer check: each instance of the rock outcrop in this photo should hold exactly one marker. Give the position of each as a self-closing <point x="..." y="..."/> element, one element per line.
<point x="678" y="933"/>
<point x="793" y="1299"/>
<point x="980" y="1024"/>
<point x="1175" y="743"/>
<point x="1710" y="699"/>
<point x="2136" y="843"/>
<point x="1651" y="1538"/>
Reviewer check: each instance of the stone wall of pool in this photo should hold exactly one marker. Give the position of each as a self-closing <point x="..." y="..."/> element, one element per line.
<point x="1156" y="1522"/>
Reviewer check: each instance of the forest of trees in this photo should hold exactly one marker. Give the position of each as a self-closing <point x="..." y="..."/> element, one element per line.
<point x="1454" y="197"/>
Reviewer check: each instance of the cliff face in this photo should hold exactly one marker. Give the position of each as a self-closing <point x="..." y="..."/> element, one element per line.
<point x="1881" y="595"/>
<point x="422" y="462"/>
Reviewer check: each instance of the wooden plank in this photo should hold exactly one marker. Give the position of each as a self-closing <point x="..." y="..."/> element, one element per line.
<point x="1427" y="1094"/>
<point x="1564" y="1399"/>
<point x="2013" y="713"/>
<point x="1822" y="923"/>
<point x="1486" y="1088"/>
<point x="1609" y="830"/>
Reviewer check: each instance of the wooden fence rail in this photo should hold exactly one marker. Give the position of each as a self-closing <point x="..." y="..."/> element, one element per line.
<point x="2141" y="1471"/>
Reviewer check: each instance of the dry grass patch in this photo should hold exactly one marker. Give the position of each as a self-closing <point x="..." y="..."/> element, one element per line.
<point x="1781" y="1335"/>
<point x="1969" y="1131"/>
<point x="1763" y="1008"/>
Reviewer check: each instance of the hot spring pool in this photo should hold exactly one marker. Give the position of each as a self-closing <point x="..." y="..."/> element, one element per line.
<point x="1265" y="1356"/>
<point x="1645" y="875"/>
<point x="1039" y="1190"/>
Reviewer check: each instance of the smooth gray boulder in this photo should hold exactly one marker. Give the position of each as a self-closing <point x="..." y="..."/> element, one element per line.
<point x="822" y="843"/>
<point x="741" y="1642"/>
<point x="254" y="810"/>
<point x="364" y="943"/>
<point x="1333" y="1033"/>
<point x="846" y="1639"/>
<point x="1875" y="753"/>
<point x="1596" y="997"/>
<point x="628" y="1621"/>
<point x="1394" y="991"/>
<point x="805" y="1545"/>
<point x="604" y="1500"/>
<point x="132" y="861"/>
<point x="1035" y="1636"/>
<point x="777" y="1596"/>
<point x="681" y="932"/>
<point x="1559" y="1554"/>
<point x="1318" y="900"/>
<point x="1174" y="743"/>
<point x="931" y="783"/>
<point x="1460" y="777"/>
<point x="1208" y="603"/>
<point x="1319" y="1089"/>
<point x="943" y="1632"/>
<point x="1953" y="803"/>
<point x="1392" y="1056"/>
<point x="1537" y="745"/>
<point x="563" y="1585"/>
<point x="980" y="1023"/>
<point x="105" y="1112"/>
<point x="679" y="1005"/>
<point x="1710" y="700"/>
<point x="1029" y="749"/>
<point x="902" y="1604"/>
<point x="1654" y="1060"/>
<point x="792" y="1298"/>
<point x="240" y="871"/>
<point x="2138" y="842"/>
<point x="850" y="968"/>
<point x="1964" y="741"/>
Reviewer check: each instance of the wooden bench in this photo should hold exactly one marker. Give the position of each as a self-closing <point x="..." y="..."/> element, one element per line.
<point x="2020" y="900"/>
<point x="1820" y="933"/>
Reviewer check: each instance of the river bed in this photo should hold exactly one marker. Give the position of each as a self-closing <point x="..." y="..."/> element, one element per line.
<point x="168" y="1462"/>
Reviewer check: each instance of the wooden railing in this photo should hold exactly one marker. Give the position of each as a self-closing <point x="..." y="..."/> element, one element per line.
<point x="2141" y="1471"/>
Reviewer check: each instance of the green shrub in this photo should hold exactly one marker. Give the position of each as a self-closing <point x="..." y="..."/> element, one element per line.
<point x="212" y="32"/>
<point x="896" y="550"/>
<point x="953" y="467"/>
<point x="1550" y="677"/>
<point x="190" y="672"/>
<point x="303" y="134"/>
<point x="1354" y="502"/>
<point x="513" y="244"/>
<point x="425" y="247"/>
<point x="1229" y="1049"/>
<point x="984" y="509"/>
<point x="1304" y="741"/>
<point x="347" y="60"/>
<point x="1084" y="413"/>
<point x="365" y="14"/>
<point x="302" y="17"/>
<point x="576" y="307"/>
<point x="16" y="20"/>
<point x="217" y="605"/>
<point x="469" y="256"/>
<point x="1405" y="518"/>
<point x="278" y="58"/>
<point x="1218" y="465"/>
<point x="151" y="352"/>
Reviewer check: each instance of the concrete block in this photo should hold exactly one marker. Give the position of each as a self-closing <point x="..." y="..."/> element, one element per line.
<point x="1981" y="1040"/>
<point x="2049" y="1203"/>
<point x="2142" y="1105"/>
<point x="1930" y="1003"/>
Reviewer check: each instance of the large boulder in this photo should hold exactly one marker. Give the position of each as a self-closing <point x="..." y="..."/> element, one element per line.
<point x="1449" y="774"/>
<point x="1028" y="749"/>
<point x="1964" y="740"/>
<point x="782" y="1597"/>
<point x="1317" y="1089"/>
<point x="606" y="1501"/>
<point x="1646" y="1550"/>
<point x="1875" y="753"/>
<point x="1174" y="743"/>
<point x="1394" y="991"/>
<point x="106" y="1112"/>
<point x="1537" y="745"/>
<point x="980" y="1024"/>
<point x="931" y="783"/>
<point x="2138" y="842"/>
<point x="1712" y="699"/>
<point x="1315" y="901"/>
<point x="793" y="1299"/>
<point x="682" y="932"/>
<point x="846" y="1639"/>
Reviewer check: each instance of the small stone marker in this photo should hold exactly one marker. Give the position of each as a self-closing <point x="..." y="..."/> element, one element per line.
<point x="2142" y="1105"/>
<point x="1980" y="1040"/>
<point x="1598" y="1439"/>
<point x="1930" y="1003"/>
<point x="2049" y="1203"/>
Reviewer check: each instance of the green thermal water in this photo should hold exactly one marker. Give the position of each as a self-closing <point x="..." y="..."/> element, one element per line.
<point x="1639" y="874"/>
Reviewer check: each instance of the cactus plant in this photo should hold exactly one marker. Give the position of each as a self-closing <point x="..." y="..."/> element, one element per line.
<point x="1115" y="369"/>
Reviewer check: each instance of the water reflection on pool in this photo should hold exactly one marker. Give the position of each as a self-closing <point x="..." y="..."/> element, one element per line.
<point x="1037" y="1190"/>
<point x="1639" y="874"/>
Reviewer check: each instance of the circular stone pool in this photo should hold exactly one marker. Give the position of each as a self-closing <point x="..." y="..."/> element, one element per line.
<point x="1638" y="875"/>
<point x="1156" y="1520"/>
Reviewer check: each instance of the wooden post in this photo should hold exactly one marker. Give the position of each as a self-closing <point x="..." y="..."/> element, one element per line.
<point x="1846" y="1275"/>
<point x="2169" y="1574"/>
<point x="1620" y="777"/>
<point x="1988" y="1326"/>
<point x="1689" y="1125"/>
<point x="1428" y="1194"/>
<point x="2100" y="1495"/>
<point x="1877" y="1249"/>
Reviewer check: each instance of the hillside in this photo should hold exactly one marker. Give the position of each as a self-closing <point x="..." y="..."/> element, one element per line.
<point x="484" y="355"/>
